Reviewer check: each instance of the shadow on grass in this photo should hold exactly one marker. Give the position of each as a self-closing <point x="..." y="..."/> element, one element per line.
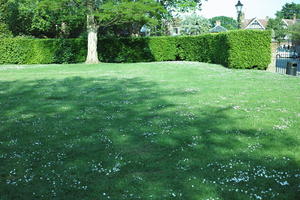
<point x="103" y="138"/>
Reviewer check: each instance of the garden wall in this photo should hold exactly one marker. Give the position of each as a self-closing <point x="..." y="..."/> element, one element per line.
<point x="233" y="49"/>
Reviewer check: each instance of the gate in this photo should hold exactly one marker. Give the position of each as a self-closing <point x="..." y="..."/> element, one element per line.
<point x="285" y="54"/>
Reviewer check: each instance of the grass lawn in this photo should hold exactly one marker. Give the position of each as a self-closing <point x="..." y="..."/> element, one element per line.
<point x="149" y="131"/>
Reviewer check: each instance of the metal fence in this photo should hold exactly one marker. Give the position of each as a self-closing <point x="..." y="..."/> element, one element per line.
<point x="284" y="55"/>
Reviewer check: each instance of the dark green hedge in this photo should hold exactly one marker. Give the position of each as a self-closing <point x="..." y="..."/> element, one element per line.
<point x="234" y="49"/>
<point x="137" y="49"/>
<point x="41" y="51"/>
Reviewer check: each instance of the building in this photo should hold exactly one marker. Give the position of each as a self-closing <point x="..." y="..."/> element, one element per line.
<point x="218" y="28"/>
<point x="261" y="24"/>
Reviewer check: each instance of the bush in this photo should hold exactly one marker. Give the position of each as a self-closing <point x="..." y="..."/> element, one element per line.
<point x="241" y="49"/>
<point x="249" y="49"/>
<point x="4" y="31"/>
<point x="204" y="48"/>
<point x="37" y="51"/>
<point x="137" y="49"/>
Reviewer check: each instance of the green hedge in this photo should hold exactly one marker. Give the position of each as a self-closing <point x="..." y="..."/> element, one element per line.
<point x="248" y="49"/>
<point x="137" y="49"/>
<point x="41" y="51"/>
<point x="210" y="48"/>
<point x="233" y="49"/>
<point x="243" y="49"/>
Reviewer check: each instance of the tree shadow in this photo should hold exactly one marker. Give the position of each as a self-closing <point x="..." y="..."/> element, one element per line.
<point x="104" y="138"/>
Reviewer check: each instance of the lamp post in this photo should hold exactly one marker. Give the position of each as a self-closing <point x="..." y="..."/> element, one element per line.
<point x="239" y="7"/>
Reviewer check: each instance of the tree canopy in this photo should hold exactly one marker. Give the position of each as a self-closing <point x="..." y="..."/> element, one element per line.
<point x="194" y="25"/>
<point x="228" y="22"/>
<point x="295" y="33"/>
<point x="288" y="11"/>
<point x="278" y="27"/>
<point x="71" y="18"/>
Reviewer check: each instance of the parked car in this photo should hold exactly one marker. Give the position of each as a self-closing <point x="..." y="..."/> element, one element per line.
<point x="287" y="54"/>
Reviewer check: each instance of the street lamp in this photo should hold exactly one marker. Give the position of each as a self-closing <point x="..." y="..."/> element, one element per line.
<point x="239" y="7"/>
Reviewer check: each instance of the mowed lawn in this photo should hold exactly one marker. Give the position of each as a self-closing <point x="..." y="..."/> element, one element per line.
<point x="149" y="131"/>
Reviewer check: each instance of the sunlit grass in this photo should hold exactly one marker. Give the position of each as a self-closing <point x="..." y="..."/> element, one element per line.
<point x="172" y="130"/>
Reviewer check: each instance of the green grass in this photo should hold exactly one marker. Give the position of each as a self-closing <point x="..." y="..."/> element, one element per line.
<point x="148" y="131"/>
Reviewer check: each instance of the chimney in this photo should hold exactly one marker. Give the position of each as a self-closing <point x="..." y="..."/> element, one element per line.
<point x="218" y="23"/>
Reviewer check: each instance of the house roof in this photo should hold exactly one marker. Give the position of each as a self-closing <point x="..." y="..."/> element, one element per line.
<point x="248" y="22"/>
<point x="264" y="22"/>
<point x="290" y="22"/>
<point x="218" y="29"/>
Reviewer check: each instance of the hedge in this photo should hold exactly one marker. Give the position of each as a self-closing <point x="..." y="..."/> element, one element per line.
<point x="233" y="49"/>
<point x="210" y="48"/>
<point x="137" y="49"/>
<point x="41" y="51"/>
<point x="249" y="48"/>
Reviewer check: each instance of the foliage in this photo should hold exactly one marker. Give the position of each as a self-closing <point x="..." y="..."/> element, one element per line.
<point x="133" y="14"/>
<point x="137" y="49"/>
<point x="249" y="49"/>
<point x="4" y="31"/>
<point x="32" y="17"/>
<point x="113" y="17"/>
<point x="194" y="25"/>
<point x="234" y="49"/>
<point x="210" y="48"/>
<point x="181" y="5"/>
<point x="242" y="49"/>
<point x="288" y="11"/>
<point x="295" y="32"/>
<point x="279" y="29"/>
<point x="228" y="22"/>
<point x="36" y="51"/>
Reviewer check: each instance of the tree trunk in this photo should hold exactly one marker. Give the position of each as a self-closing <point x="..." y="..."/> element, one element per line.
<point x="92" y="29"/>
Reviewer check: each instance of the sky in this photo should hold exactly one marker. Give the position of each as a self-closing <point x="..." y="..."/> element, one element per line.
<point x="252" y="8"/>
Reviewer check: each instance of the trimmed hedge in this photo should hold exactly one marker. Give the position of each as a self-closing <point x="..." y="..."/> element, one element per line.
<point x="41" y="51"/>
<point x="137" y="49"/>
<point x="242" y="49"/>
<point x="248" y="49"/>
<point x="210" y="48"/>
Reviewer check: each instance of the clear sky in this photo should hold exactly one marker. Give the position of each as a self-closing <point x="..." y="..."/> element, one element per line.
<point x="252" y="8"/>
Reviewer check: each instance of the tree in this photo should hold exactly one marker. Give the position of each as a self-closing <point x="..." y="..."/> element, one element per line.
<point x="108" y="12"/>
<point x="31" y="17"/>
<point x="288" y="11"/>
<point x="194" y="25"/>
<point x="295" y="33"/>
<point x="227" y="22"/>
<point x="53" y="18"/>
<point x="278" y="27"/>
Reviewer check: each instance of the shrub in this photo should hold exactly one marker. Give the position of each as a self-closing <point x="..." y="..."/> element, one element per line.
<point x="4" y="31"/>
<point x="204" y="48"/>
<point x="241" y="49"/>
<point x="37" y="51"/>
<point x="124" y="50"/>
<point x="137" y="49"/>
<point x="163" y="48"/>
<point x="249" y="49"/>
